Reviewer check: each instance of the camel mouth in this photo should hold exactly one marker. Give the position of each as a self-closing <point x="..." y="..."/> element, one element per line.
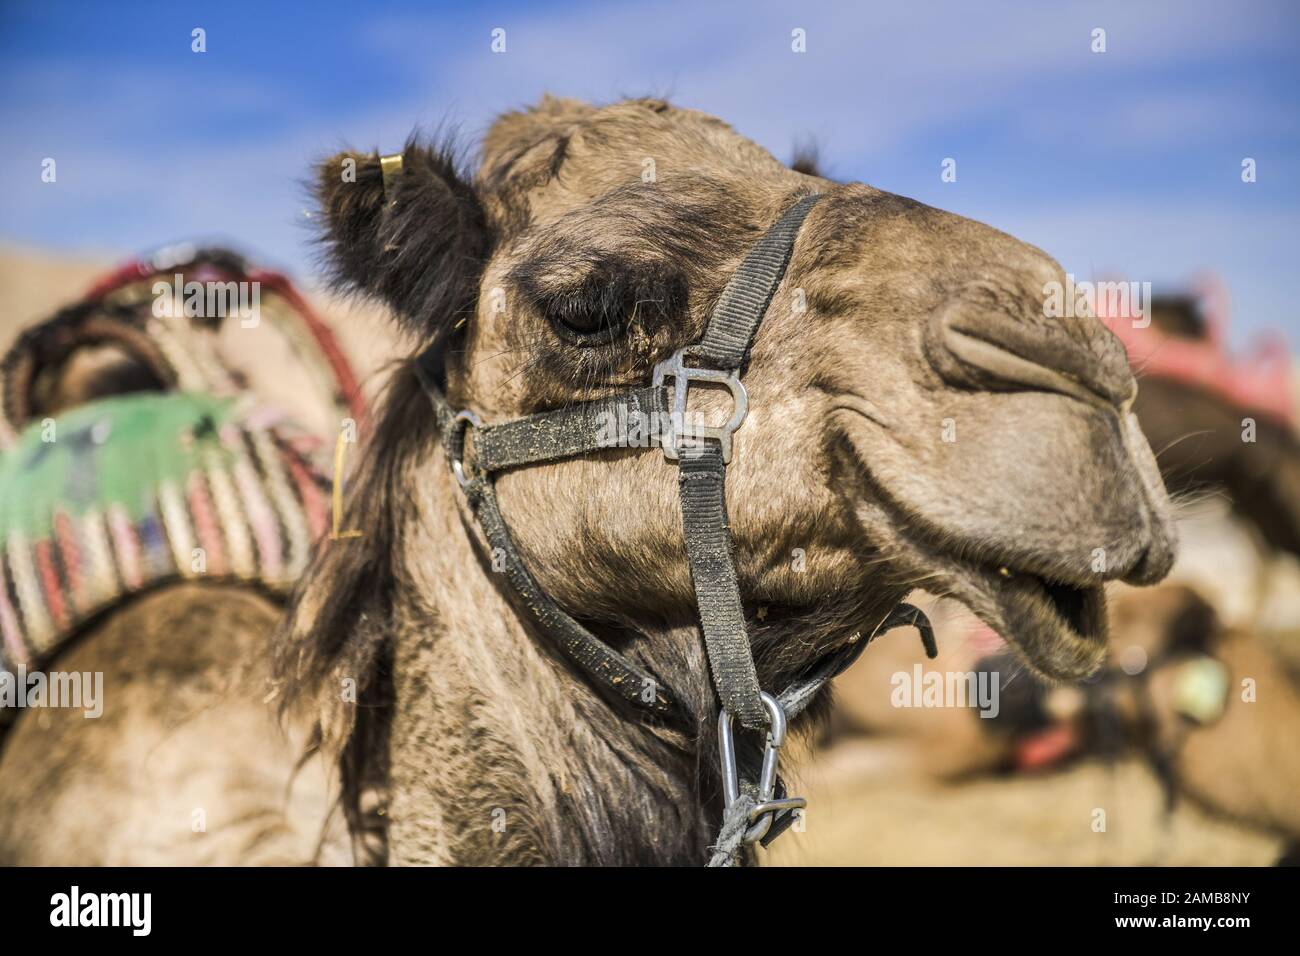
<point x="1074" y="605"/>
<point x="1055" y="620"/>
<point x="1059" y="627"/>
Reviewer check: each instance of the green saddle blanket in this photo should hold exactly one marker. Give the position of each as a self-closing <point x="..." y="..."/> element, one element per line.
<point x="130" y="492"/>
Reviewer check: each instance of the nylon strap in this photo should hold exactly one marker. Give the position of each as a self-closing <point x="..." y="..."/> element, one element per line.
<point x="614" y="421"/>
<point x="702" y="479"/>
<point x="425" y="366"/>
<point x="606" y="666"/>
<point x="547" y="437"/>
<point x="795" y="698"/>
<point x="744" y="301"/>
<point x="617" y="421"/>
<point x="519" y="443"/>
<point x="725" y="347"/>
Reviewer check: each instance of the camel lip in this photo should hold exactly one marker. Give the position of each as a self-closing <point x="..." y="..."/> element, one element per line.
<point x="1059" y="627"/>
<point x="1077" y="610"/>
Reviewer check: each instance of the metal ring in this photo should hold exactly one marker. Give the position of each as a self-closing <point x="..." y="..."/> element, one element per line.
<point x="462" y="418"/>
<point x="678" y="432"/>
<point x="776" y="807"/>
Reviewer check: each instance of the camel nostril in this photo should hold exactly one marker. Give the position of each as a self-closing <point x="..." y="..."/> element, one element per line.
<point x="972" y="345"/>
<point x="1152" y="565"/>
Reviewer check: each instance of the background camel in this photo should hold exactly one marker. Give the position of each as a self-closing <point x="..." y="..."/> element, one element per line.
<point x="1199" y="430"/>
<point x="1088" y="745"/>
<point x="1240" y="763"/>
<point x="188" y="764"/>
<point x="919" y="422"/>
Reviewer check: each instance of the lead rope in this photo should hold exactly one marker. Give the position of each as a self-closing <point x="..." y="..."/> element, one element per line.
<point x="747" y="805"/>
<point x="754" y="811"/>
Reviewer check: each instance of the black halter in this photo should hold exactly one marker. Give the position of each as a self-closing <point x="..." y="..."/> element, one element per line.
<point x="755" y="811"/>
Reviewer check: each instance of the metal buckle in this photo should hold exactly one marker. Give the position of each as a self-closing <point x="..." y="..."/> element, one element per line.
<point x="768" y="807"/>
<point x="675" y="367"/>
<point x="462" y="418"/>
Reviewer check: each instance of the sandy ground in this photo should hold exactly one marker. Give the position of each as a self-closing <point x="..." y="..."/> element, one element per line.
<point x="33" y="285"/>
<point x="869" y="805"/>
<point x="866" y="810"/>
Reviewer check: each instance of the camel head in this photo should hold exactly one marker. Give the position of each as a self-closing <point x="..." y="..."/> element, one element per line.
<point x="915" y="418"/>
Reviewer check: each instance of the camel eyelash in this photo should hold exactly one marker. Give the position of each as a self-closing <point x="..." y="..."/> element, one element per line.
<point x="607" y="301"/>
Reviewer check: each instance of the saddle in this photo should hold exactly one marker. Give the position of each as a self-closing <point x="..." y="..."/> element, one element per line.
<point x="171" y="471"/>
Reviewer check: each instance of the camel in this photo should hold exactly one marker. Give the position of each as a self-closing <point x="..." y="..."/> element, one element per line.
<point x="1217" y="437"/>
<point x="915" y="420"/>
<point x="1220" y="740"/>
<point x="1238" y="761"/>
<point x="187" y="765"/>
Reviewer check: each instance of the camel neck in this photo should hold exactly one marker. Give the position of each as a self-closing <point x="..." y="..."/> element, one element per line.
<point x="498" y="753"/>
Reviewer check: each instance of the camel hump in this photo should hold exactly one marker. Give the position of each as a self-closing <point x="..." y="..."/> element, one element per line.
<point x="184" y="764"/>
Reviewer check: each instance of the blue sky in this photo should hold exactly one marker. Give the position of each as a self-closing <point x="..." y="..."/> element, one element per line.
<point x="1123" y="163"/>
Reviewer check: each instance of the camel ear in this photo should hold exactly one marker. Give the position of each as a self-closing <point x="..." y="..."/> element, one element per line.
<point x="407" y="230"/>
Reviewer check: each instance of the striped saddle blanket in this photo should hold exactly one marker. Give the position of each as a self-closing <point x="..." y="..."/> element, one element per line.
<point x="127" y="493"/>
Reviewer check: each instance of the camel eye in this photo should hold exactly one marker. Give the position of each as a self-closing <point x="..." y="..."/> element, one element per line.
<point x="606" y="300"/>
<point x="588" y="319"/>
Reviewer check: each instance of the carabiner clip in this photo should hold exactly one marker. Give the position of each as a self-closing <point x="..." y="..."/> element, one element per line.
<point x="768" y="806"/>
